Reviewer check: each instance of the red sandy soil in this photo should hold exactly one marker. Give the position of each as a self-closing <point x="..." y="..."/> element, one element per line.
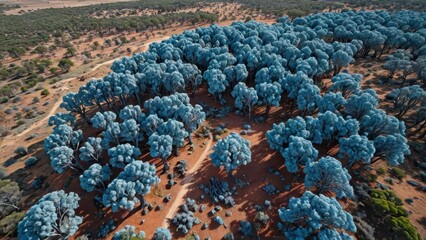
<point x="255" y="173"/>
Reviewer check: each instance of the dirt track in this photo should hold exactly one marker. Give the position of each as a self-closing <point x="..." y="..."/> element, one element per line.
<point x="185" y="183"/>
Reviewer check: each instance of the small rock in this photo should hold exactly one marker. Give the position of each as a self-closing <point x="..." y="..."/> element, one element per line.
<point x="267" y="203"/>
<point x="202" y="208"/>
<point x="191" y="148"/>
<point x="171" y="182"/>
<point x="168" y="198"/>
<point x="204" y="226"/>
<point x="218" y="220"/>
<point x="217" y="208"/>
<point x="202" y="197"/>
<point x="150" y="207"/>
<point x="382" y="186"/>
<point x="201" y="187"/>
<point x="413" y="183"/>
<point x="144" y="211"/>
<point x="247" y="126"/>
<point x="228" y="213"/>
<point x="142" y="222"/>
<point x="204" y="143"/>
<point x="423" y="176"/>
<point x="259" y="208"/>
<point x="212" y="212"/>
<point x="244" y="132"/>
<point x="159" y="207"/>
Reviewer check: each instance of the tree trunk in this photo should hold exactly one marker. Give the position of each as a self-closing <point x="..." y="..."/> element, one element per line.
<point x="268" y="108"/>
<point x="166" y="165"/>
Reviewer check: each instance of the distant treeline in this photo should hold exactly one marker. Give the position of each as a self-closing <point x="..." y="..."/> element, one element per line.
<point x="416" y="5"/>
<point x="20" y="32"/>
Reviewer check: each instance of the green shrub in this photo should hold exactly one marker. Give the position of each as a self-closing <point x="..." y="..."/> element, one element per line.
<point x="20" y="122"/>
<point x="372" y="177"/>
<point x="402" y="228"/>
<point x="4" y="100"/>
<point x="386" y="203"/>
<point x="45" y="92"/>
<point x="24" y="88"/>
<point x="398" y="173"/>
<point x="381" y="171"/>
<point x="9" y="224"/>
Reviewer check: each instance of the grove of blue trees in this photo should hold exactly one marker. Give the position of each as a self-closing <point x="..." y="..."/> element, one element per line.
<point x="259" y="65"/>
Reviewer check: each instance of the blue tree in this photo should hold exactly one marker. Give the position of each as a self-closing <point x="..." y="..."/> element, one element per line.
<point x="231" y="152"/>
<point x="74" y="102"/>
<point x="269" y="94"/>
<point x="329" y="126"/>
<point x="299" y="152"/>
<point x="192" y="118"/>
<point x="143" y="176"/>
<point x="94" y="177"/>
<point x="131" y="132"/>
<point x="217" y="83"/>
<point x="245" y="98"/>
<point x="162" y="234"/>
<point x="120" y="194"/>
<point x="293" y="83"/>
<point x="392" y="148"/>
<point x="161" y="146"/>
<point x="280" y="133"/>
<point x="91" y="150"/>
<point x="151" y="123"/>
<point x="111" y="135"/>
<point x="128" y="233"/>
<point x="359" y="104"/>
<point x="310" y="213"/>
<point x="62" y="158"/>
<point x="130" y="112"/>
<point x="356" y="148"/>
<point x="102" y="120"/>
<point x="174" y="82"/>
<point x="377" y="122"/>
<point x="328" y="175"/>
<point x="407" y="98"/>
<point x="331" y="102"/>
<point x="235" y="74"/>
<point x="346" y="83"/>
<point x="340" y="59"/>
<point x="307" y="98"/>
<point x="52" y="216"/>
<point x="176" y="131"/>
<point x="63" y="135"/>
<point x="61" y="118"/>
<point x="123" y="154"/>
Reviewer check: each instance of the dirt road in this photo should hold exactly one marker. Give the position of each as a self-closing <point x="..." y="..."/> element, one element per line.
<point x="185" y="183"/>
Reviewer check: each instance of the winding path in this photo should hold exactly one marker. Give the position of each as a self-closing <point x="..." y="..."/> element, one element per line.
<point x="8" y="140"/>
<point x="185" y="183"/>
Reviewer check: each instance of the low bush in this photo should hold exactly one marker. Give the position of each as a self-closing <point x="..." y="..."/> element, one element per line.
<point x="403" y="229"/>
<point x="4" y="100"/>
<point x="31" y="161"/>
<point x="398" y="173"/>
<point x="45" y="92"/>
<point x="9" y="224"/>
<point x="380" y="171"/>
<point x="21" y="151"/>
